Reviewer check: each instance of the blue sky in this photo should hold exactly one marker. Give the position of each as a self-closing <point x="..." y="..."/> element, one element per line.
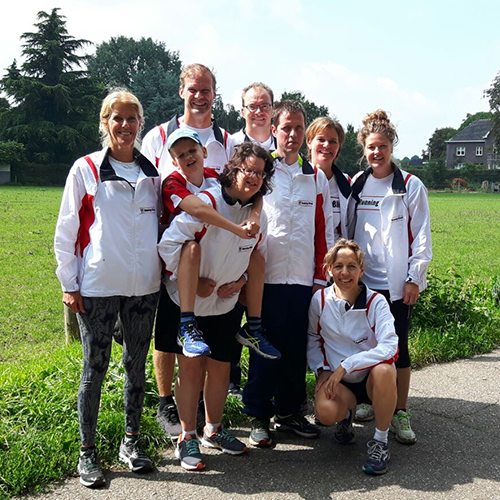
<point x="426" y="62"/>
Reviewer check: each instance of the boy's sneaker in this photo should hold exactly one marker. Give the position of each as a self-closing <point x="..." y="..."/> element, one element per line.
<point x="91" y="474"/>
<point x="343" y="433"/>
<point x="191" y="340"/>
<point x="222" y="440"/>
<point x="257" y="341"/>
<point x="133" y="455"/>
<point x="188" y="452"/>
<point x="364" y="413"/>
<point x="298" y="424"/>
<point x="168" y="419"/>
<point x="377" y="457"/>
<point x="260" y="435"/>
<point x="401" y="426"/>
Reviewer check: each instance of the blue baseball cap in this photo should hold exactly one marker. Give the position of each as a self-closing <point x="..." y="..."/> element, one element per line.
<point x="182" y="133"/>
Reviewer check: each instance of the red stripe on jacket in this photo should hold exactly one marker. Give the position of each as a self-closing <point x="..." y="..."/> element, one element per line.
<point x="320" y="245"/>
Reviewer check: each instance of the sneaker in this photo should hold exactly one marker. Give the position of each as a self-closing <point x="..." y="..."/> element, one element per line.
<point x="343" y="433"/>
<point x="133" y="455"/>
<point x="377" y="457"/>
<point x="298" y="424"/>
<point x="257" y="341"/>
<point x="188" y="452"/>
<point x="168" y="419"/>
<point x="401" y="426"/>
<point x="364" y="413"/>
<point x="191" y="340"/>
<point x="235" y="391"/>
<point x="260" y="435"/>
<point x="222" y="440"/>
<point x="91" y="474"/>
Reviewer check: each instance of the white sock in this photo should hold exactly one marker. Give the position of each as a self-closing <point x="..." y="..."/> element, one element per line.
<point x="211" y="428"/>
<point x="381" y="436"/>
<point x="187" y="433"/>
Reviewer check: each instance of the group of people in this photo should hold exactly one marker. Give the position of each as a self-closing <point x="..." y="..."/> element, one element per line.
<point x="197" y="228"/>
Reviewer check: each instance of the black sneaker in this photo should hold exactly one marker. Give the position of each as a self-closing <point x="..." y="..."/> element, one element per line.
<point x="222" y="440"/>
<point x="298" y="424"/>
<point x="260" y="435"/>
<point x="343" y="432"/>
<point x="258" y="342"/>
<point x="91" y="474"/>
<point x="168" y="419"/>
<point x="188" y="452"/>
<point x="377" y="458"/>
<point x="132" y="454"/>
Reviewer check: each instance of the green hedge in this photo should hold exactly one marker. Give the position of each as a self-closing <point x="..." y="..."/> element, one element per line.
<point x="35" y="174"/>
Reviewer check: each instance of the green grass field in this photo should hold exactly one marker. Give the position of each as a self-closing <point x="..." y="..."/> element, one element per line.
<point x="39" y="375"/>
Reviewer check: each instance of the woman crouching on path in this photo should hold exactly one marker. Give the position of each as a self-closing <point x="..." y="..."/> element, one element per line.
<point x="108" y="266"/>
<point x="352" y="346"/>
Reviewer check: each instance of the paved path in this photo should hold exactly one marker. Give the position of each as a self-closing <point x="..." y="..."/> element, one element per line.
<point x="456" y="414"/>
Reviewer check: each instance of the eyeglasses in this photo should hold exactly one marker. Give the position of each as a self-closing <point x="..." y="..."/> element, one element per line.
<point x="255" y="107"/>
<point x="260" y="174"/>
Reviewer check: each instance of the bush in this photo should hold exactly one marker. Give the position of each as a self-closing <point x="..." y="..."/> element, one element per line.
<point x="35" y="174"/>
<point x="455" y="318"/>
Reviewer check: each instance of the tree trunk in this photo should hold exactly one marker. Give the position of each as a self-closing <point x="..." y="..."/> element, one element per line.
<point x="71" y="330"/>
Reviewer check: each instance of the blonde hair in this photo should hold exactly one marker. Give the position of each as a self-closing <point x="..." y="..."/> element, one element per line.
<point x="377" y="123"/>
<point x="118" y="96"/>
<point x="331" y="255"/>
<point x="320" y="124"/>
<point x="191" y="70"/>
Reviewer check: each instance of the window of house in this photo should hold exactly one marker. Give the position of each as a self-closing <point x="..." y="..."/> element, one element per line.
<point x="460" y="151"/>
<point x="458" y="166"/>
<point x="479" y="150"/>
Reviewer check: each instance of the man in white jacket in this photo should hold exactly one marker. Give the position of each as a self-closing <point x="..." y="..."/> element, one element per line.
<point x="224" y="259"/>
<point x="299" y="235"/>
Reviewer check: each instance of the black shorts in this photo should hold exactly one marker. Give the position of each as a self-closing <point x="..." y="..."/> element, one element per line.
<point x="218" y="331"/>
<point x="402" y="315"/>
<point x="359" y="390"/>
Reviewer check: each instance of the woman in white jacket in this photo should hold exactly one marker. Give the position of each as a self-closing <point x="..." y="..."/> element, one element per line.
<point x="388" y="215"/>
<point x="351" y="347"/>
<point x="108" y="266"/>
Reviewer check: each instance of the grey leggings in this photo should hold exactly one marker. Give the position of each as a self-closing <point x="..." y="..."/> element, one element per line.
<point x="96" y="330"/>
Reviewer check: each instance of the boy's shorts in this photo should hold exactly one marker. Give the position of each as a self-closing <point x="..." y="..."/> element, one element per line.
<point x="218" y="331"/>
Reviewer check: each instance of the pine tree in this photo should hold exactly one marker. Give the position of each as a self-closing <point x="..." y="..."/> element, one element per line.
<point x="55" y="105"/>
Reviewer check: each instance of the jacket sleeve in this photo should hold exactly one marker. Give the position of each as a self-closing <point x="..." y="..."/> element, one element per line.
<point x="66" y="234"/>
<point x="323" y="231"/>
<point x="315" y="353"/>
<point x="152" y="145"/>
<point x="380" y="318"/>
<point x="183" y="228"/>
<point x="419" y="229"/>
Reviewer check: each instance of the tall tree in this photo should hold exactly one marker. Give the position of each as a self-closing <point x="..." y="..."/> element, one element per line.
<point x="436" y="146"/>
<point x="54" y="110"/>
<point x="349" y="160"/>
<point x="313" y="111"/>
<point x="481" y="115"/>
<point x="147" y="69"/>
<point x="226" y="116"/>
<point x="493" y="94"/>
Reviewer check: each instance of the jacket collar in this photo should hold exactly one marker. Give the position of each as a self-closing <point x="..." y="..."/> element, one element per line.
<point x="398" y="184"/>
<point x="307" y="168"/>
<point x="342" y="182"/>
<point x="107" y="172"/>
<point x="174" y="124"/>
<point x="247" y="138"/>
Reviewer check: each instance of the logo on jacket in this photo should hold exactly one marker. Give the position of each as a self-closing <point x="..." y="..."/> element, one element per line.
<point x="369" y="203"/>
<point x="360" y="341"/>
<point x="305" y="203"/>
<point x="245" y="248"/>
<point x="148" y="210"/>
<point x="398" y="217"/>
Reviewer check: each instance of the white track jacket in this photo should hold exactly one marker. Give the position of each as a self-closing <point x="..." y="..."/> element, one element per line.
<point x="300" y="225"/>
<point x="224" y="256"/>
<point x="406" y="229"/>
<point x="358" y="339"/>
<point x="107" y="232"/>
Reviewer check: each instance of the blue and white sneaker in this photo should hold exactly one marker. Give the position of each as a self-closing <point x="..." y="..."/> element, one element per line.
<point x="191" y="340"/>
<point x="377" y="458"/>
<point x="342" y="432"/>
<point x="257" y="341"/>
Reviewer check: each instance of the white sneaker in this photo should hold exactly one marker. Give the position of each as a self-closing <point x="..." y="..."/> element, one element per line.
<point x="364" y="413"/>
<point x="401" y="426"/>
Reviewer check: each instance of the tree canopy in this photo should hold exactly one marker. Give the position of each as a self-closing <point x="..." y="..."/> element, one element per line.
<point x="493" y="94"/>
<point x="54" y="104"/>
<point x="351" y="153"/>
<point x="436" y="146"/>
<point x="313" y="111"/>
<point x="144" y="67"/>
<point x="481" y="115"/>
